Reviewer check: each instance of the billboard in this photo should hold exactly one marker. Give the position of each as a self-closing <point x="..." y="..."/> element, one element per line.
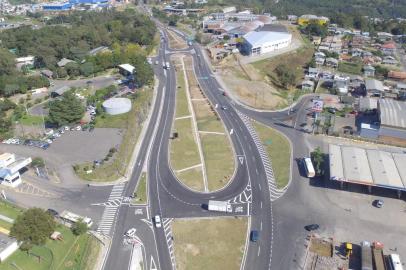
<point x="317" y="105"/>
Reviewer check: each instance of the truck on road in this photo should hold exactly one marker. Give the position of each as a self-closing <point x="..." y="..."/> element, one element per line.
<point x="220" y="206"/>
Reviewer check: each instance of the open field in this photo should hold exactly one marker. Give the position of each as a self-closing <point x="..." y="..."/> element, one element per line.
<point x="140" y="194"/>
<point x="175" y="42"/>
<point x="133" y="121"/>
<point x="209" y="243"/>
<point x="351" y="68"/>
<point x="279" y="152"/>
<point x="74" y="252"/>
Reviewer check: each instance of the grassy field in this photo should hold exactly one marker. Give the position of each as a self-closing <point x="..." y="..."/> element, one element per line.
<point x="351" y="68"/>
<point x="116" y="167"/>
<point x="209" y="123"/>
<point x="70" y="254"/>
<point x="218" y="157"/>
<point x="113" y="121"/>
<point x="192" y="178"/>
<point x="140" y="194"/>
<point x="182" y="108"/>
<point x="184" y="151"/>
<point x="209" y="243"/>
<point x="9" y="210"/>
<point x="279" y="151"/>
<point x="28" y="119"/>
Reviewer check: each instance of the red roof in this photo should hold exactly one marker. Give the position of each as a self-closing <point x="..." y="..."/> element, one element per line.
<point x="389" y="45"/>
<point x="397" y="75"/>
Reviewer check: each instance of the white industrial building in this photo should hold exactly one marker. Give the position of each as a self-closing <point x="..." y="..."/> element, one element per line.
<point x="10" y="167"/>
<point x="370" y="167"/>
<point x="8" y="246"/>
<point x="114" y="106"/>
<point x="261" y="42"/>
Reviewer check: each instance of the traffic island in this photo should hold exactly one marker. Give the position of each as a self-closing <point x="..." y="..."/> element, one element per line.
<point x="216" y="243"/>
<point x="279" y="151"/>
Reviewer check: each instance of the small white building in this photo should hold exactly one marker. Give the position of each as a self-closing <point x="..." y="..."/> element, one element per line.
<point x="261" y="42"/>
<point x="10" y="167"/>
<point x="26" y="60"/>
<point x="126" y="69"/>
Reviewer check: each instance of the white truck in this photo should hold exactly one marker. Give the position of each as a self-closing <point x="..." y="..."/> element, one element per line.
<point x="220" y="206"/>
<point x="72" y="218"/>
<point x="167" y="66"/>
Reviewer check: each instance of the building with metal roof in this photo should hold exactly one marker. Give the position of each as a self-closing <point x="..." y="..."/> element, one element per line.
<point x="369" y="167"/>
<point x="260" y="42"/>
<point x="374" y="86"/>
<point x="392" y="115"/>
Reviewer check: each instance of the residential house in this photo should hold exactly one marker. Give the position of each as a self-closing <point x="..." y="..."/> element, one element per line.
<point x="388" y="48"/>
<point x="319" y="60"/>
<point x="307" y="85"/>
<point x="26" y="60"/>
<point x="316" y="40"/>
<point x="374" y="87"/>
<point x="292" y="18"/>
<point x="356" y="52"/>
<point x="401" y="90"/>
<point x="341" y="84"/>
<point x="369" y="71"/>
<point x="389" y="60"/>
<point x="10" y="167"/>
<point x="306" y="19"/>
<point x="312" y="74"/>
<point x="332" y="62"/>
<point x="98" y="50"/>
<point x="64" y="61"/>
<point x="384" y="36"/>
<point x="126" y="70"/>
<point x="47" y="73"/>
<point x="397" y="75"/>
<point x="319" y="54"/>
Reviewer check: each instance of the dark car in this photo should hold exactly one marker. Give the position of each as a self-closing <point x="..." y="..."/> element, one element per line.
<point x="254" y="236"/>
<point x="53" y="212"/>
<point x="378" y="203"/>
<point x="312" y="227"/>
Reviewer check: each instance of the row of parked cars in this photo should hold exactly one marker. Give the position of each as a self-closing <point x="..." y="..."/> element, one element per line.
<point x="34" y="143"/>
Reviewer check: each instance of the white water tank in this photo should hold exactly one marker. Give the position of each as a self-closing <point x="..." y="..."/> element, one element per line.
<point x="114" y="106"/>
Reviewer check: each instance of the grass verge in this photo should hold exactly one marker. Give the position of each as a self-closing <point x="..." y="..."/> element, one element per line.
<point x="116" y="167"/>
<point x="279" y="151"/>
<point x="182" y="108"/>
<point x="218" y="157"/>
<point x="140" y="193"/>
<point x="192" y="178"/>
<point x="9" y="210"/>
<point x="209" y="243"/>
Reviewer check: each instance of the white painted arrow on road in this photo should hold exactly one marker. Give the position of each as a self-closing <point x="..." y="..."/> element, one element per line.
<point x="231" y="131"/>
<point x="152" y="266"/>
<point x="241" y="160"/>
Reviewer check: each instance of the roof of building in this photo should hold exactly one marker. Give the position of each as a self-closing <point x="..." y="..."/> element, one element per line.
<point x="127" y="67"/>
<point x="392" y="113"/>
<point x="367" y="166"/>
<point x="366" y="103"/>
<point x="5" y="241"/>
<point x="97" y="50"/>
<point x="275" y="28"/>
<point x="61" y="90"/>
<point x="397" y="75"/>
<point x="389" y="45"/>
<point x="372" y="84"/>
<point x="261" y="37"/>
<point x="63" y="62"/>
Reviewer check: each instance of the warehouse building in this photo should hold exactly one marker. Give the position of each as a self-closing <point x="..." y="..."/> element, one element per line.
<point x="392" y="116"/>
<point x="370" y="167"/>
<point x="261" y="42"/>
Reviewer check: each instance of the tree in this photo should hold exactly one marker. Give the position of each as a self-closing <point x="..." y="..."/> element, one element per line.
<point x="37" y="162"/>
<point x="286" y="75"/>
<point x="66" y="110"/>
<point x="7" y="62"/>
<point x="318" y="158"/>
<point x="79" y="228"/>
<point x="33" y="227"/>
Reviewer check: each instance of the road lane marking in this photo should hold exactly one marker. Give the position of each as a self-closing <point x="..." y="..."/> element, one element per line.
<point x="259" y="250"/>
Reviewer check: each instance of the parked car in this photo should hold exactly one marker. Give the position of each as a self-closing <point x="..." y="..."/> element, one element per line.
<point x="157" y="220"/>
<point x="312" y="227"/>
<point x="131" y="232"/>
<point x="378" y="203"/>
<point x="254" y="236"/>
<point x="53" y="212"/>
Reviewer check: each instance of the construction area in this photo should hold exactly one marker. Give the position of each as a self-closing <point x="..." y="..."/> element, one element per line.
<point x="369" y="167"/>
<point x="330" y="254"/>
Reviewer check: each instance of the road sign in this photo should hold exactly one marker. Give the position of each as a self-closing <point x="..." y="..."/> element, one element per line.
<point x="317" y="105"/>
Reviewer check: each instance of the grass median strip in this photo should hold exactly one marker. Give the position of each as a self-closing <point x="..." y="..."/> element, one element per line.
<point x="140" y="194"/>
<point x="279" y="151"/>
<point x="209" y="243"/>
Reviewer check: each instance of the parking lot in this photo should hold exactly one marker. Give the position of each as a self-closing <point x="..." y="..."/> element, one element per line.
<point x="72" y="147"/>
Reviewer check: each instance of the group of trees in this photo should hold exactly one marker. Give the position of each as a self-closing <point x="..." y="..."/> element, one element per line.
<point x="286" y="75"/>
<point x="66" y="110"/>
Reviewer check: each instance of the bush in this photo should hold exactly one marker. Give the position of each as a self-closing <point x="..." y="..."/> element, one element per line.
<point x="37" y="162"/>
<point x="79" y="228"/>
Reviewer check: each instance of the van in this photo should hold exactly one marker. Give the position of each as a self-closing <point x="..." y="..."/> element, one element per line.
<point x="254" y="236"/>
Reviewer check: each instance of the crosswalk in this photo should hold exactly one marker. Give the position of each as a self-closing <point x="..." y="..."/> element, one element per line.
<point x="275" y="193"/>
<point x="111" y="209"/>
<point x="169" y="239"/>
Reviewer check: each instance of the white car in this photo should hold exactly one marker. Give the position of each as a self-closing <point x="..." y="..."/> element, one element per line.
<point x="131" y="232"/>
<point x="78" y="128"/>
<point x="157" y="220"/>
<point x="49" y="141"/>
<point x="66" y="128"/>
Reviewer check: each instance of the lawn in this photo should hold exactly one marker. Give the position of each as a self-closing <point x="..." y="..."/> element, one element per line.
<point x="117" y="166"/>
<point x="192" y="178"/>
<point x="182" y="107"/>
<point x="28" y="119"/>
<point x="112" y="121"/>
<point x="209" y="243"/>
<point x="140" y="193"/>
<point x="351" y="68"/>
<point x="210" y="123"/>
<point x="278" y="149"/>
<point x="218" y="158"/>
<point x="71" y="253"/>
<point x="183" y="150"/>
<point x="9" y="210"/>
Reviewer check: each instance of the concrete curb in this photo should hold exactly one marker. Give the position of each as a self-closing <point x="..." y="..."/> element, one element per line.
<point x="140" y="140"/>
<point x="102" y="256"/>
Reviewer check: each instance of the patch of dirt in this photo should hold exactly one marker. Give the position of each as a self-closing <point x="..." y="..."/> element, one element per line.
<point x="192" y="249"/>
<point x="175" y="42"/>
<point x="321" y="247"/>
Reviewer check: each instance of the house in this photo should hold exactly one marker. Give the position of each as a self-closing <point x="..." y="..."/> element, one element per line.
<point x="47" y="73"/>
<point x="392" y="118"/>
<point x="401" y="89"/>
<point x="292" y="18"/>
<point x="397" y="75"/>
<point x="341" y="84"/>
<point x="307" y="85"/>
<point x="389" y="60"/>
<point x="367" y="104"/>
<point x="98" y="50"/>
<point x="383" y="36"/>
<point x="319" y="60"/>
<point x="8" y="246"/>
<point x="26" y="60"/>
<point x="260" y="42"/>
<point x="126" y="69"/>
<point x="59" y="91"/>
<point x="312" y="73"/>
<point x="332" y="62"/>
<point x="369" y="71"/>
<point x="10" y="167"/>
<point x="64" y="61"/>
<point x="374" y="87"/>
<point x="388" y="48"/>
<point x="316" y="40"/>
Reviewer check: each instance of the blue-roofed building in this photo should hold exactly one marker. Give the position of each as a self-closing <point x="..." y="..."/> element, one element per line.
<point x="57" y="6"/>
<point x="88" y="2"/>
